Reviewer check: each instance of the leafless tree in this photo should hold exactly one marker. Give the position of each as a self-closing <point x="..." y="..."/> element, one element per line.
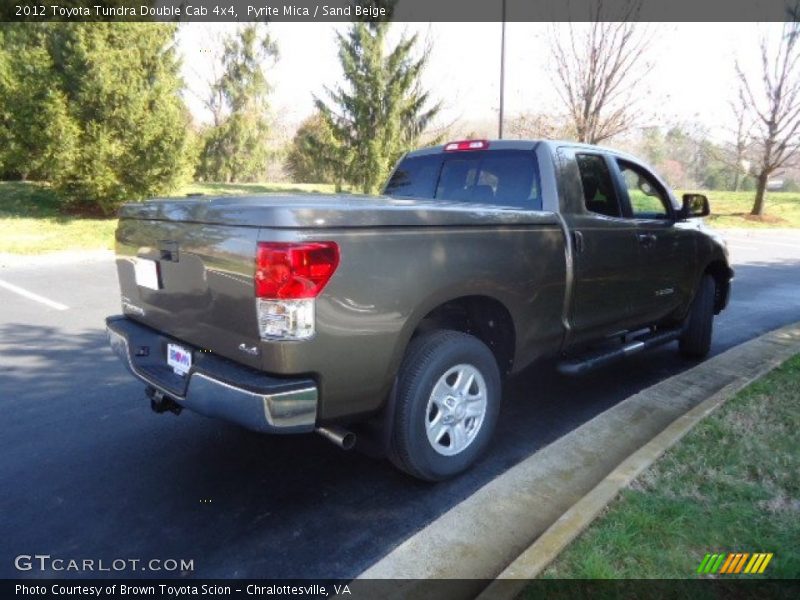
<point x="775" y="104"/>
<point x="210" y="55"/>
<point x="735" y="154"/>
<point x="597" y="67"/>
<point x="531" y="126"/>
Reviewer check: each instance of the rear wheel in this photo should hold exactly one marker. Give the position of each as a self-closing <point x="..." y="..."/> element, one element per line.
<point x="448" y="398"/>
<point x="695" y="341"/>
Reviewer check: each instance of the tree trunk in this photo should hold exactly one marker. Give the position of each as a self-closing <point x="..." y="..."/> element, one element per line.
<point x="761" y="193"/>
<point x="736" y="181"/>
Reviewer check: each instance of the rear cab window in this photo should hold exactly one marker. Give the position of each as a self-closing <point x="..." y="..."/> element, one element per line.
<point x="507" y="178"/>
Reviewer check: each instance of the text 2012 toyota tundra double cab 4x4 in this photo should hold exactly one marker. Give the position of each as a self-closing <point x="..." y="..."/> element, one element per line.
<point x="401" y="315"/>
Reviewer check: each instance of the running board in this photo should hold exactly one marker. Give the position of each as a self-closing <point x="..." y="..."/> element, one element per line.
<point x="589" y="362"/>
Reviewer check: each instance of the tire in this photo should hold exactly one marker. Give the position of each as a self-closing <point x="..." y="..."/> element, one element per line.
<point x="441" y="427"/>
<point x="695" y="341"/>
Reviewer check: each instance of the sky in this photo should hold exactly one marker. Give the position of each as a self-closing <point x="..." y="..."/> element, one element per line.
<point x="690" y="77"/>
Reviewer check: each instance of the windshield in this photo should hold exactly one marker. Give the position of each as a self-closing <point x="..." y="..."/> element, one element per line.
<point x="500" y="177"/>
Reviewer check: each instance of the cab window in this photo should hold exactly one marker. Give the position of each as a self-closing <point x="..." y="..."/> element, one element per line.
<point x="506" y="178"/>
<point x="647" y="197"/>
<point x="598" y="188"/>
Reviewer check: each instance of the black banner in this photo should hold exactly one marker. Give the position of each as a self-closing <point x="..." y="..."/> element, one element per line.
<point x="729" y="589"/>
<point x="322" y="11"/>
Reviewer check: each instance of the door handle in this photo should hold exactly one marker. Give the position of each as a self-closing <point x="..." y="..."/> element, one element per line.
<point x="577" y="238"/>
<point x="647" y="239"/>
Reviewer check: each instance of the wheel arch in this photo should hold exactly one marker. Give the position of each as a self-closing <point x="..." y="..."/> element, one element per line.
<point x="722" y="275"/>
<point x="480" y="315"/>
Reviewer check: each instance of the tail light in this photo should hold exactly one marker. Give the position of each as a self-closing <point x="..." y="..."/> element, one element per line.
<point x="288" y="277"/>
<point x="294" y="271"/>
<point x="466" y="145"/>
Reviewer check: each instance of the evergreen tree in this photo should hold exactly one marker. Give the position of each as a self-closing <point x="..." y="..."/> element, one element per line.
<point x="123" y="86"/>
<point x="95" y="108"/>
<point x="382" y="110"/>
<point x="37" y="136"/>
<point x="237" y="149"/>
<point x="313" y="154"/>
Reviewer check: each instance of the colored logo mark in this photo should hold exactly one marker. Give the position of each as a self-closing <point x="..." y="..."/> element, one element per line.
<point x="731" y="563"/>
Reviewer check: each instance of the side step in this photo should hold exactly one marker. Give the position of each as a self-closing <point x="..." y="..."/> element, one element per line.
<point x="588" y="362"/>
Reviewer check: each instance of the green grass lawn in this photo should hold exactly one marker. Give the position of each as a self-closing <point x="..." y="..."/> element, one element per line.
<point x="31" y="223"/>
<point x="732" y="209"/>
<point x="731" y="485"/>
<point x="225" y="189"/>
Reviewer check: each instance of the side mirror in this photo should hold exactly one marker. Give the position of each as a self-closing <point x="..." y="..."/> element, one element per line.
<point x="694" y="205"/>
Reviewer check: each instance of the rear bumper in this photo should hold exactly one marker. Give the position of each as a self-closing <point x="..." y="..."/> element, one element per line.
<point x="216" y="387"/>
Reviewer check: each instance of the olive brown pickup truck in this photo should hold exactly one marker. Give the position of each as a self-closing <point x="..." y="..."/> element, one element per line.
<point x="397" y="318"/>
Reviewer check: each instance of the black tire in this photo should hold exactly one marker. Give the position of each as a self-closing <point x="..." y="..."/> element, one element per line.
<point x="695" y="341"/>
<point x="429" y="357"/>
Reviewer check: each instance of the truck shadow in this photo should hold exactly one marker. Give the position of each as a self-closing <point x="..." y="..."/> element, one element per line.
<point x="90" y="471"/>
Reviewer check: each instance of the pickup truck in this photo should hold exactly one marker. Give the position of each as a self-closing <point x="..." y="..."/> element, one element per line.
<point x="397" y="318"/>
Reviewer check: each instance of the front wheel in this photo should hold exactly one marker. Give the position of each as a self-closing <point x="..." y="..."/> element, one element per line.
<point x="448" y="398"/>
<point x="695" y="341"/>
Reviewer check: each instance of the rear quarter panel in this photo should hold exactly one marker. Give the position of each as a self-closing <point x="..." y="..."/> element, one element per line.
<point x="390" y="278"/>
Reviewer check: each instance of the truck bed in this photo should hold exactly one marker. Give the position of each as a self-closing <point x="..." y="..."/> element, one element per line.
<point x="325" y="211"/>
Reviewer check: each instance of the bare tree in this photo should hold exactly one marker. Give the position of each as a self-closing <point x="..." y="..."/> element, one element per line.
<point x="735" y="153"/>
<point x="211" y="94"/>
<point x="775" y="105"/>
<point x="742" y="142"/>
<point x="596" y="69"/>
<point x="531" y="126"/>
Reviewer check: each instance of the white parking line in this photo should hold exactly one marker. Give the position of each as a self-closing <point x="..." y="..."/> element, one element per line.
<point x="761" y="241"/>
<point x="31" y="296"/>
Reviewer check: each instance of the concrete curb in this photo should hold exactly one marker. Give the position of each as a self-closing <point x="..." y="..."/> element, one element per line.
<point x="574" y="521"/>
<point x="560" y="489"/>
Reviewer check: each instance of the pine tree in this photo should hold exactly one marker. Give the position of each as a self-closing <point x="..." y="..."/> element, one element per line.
<point x="382" y="110"/>
<point x="237" y="149"/>
<point x="123" y="86"/>
<point x="37" y="136"/>
<point x="314" y="153"/>
<point x="95" y="108"/>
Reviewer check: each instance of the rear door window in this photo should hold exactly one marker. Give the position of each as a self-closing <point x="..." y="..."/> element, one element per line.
<point x="599" y="194"/>
<point x="498" y="177"/>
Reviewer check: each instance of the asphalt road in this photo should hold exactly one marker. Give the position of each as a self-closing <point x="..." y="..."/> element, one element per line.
<point x="87" y="471"/>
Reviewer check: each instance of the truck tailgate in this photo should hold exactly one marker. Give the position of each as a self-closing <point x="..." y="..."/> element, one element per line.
<point x="205" y="291"/>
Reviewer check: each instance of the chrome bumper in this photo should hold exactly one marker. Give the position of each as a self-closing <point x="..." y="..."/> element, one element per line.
<point x="276" y="410"/>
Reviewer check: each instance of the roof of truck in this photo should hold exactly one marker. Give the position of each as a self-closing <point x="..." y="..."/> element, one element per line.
<point x="492" y="144"/>
<point x="523" y="145"/>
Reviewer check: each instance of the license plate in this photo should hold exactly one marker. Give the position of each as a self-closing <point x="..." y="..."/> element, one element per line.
<point x="146" y="272"/>
<point x="179" y="358"/>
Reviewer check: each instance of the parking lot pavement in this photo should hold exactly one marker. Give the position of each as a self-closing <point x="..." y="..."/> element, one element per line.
<point x="89" y="472"/>
<point x="763" y="245"/>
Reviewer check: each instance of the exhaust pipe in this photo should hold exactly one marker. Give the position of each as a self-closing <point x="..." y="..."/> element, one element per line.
<point x="341" y="437"/>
